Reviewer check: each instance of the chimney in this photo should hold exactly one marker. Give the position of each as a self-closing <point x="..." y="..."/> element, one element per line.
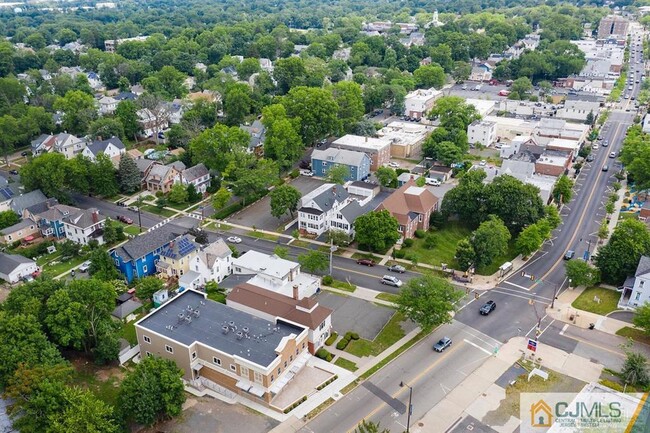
<point x="95" y="216"/>
<point x="295" y="292"/>
<point x="366" y="138"/>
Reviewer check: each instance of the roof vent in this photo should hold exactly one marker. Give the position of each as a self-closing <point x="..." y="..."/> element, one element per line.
<point x="245" y="330"/>
<point x="240" y="335"/>
<point x="224" y="329"/>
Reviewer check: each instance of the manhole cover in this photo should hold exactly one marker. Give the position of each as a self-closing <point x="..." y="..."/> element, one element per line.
<point x="420" y="424"/>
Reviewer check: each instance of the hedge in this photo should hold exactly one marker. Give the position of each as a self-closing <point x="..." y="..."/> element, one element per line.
<point x="399" y="254"/>
<point x="408" y="242"/>
<point x="341" y="345"/>
<point x="420" y="234"/>
<point x="228" y="210"/>
<point x="324" y="354"/>
<point x="296" y="404"/>
<point x="330" y="380"/>
<point x="328" y="280"/>
<point x="331" y="339"/>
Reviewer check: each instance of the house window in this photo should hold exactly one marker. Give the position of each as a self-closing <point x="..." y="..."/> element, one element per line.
<point x="216" y="360"/>
<point x="400" y="228"/>
<point x="233" y="367"/>
<point x="420" y="217"/>
<point x="146" y="339"/>
<point x="285" y="364"/>
<point x="322" y="325"/>
<point x="279" y="370"/>
<point x="641" y="283"/>
<point x="149" y="354"/>
<point x="193" y="355"/>
<point x="303" y="345"/>
<point x="144" y="268"/>
<point x="638" y="296"/>
<point x="272" y="378"/>
<point x="169" y="349"/>
<point x="297" y="351"/>
<point x="258" y="377"/>
<point x="243" y="371"/>
<point x="290" y="359"/>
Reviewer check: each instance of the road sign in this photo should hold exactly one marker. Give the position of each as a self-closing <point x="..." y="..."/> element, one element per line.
<point x="532" y="345"/>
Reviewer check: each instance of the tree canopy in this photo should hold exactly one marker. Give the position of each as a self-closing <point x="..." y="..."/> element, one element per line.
<point x="428" y="300"/>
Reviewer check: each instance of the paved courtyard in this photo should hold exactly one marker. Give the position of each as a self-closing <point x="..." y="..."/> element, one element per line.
<point x="303" y="384"/>
<point x="355" y="315"/>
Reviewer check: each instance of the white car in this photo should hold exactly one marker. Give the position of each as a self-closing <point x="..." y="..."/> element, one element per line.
<point x="84" y="266"/>
<point x="234" y="239"/>
<point x="432" y="182"/>
<point x="483" y="163"/>
<point x="306" y="173"/>
<point x="393" y="164"/>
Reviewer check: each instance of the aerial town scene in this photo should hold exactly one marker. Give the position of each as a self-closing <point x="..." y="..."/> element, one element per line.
<point x="320" y="216"/>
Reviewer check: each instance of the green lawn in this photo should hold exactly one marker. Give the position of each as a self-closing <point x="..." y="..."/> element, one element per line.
<point x="494" y="266"/>
<point x="128" y="332"/>
<point x="343" y="285"/>
<point x="390" y="297"/>
<point x="107" y="391"/>
<point x="608" y="300"/>
<point x="262" y="235"/>
<point x="391" y="333"/>
<point x="348" y="365"/>
<point x="300" y="244"/>
<point x="157" y="211"/>
<point x="61" y="267"/>
<point x="635" y="334"/>
<point x="133" y="230"/>
<point x="178" y="206"/>
<point x="217" y="297"/>
<point x="444" y="249"/>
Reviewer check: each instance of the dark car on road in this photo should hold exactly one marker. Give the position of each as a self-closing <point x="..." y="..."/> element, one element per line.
<point x="14" y="172"/>
<point x="487" y="308"/>
<point x="397" y="268"/>
<point x="366" y="262"/>
<point x="569" y="255"/>
<point x="125" y="219"/>
<point x="441" y="345"/>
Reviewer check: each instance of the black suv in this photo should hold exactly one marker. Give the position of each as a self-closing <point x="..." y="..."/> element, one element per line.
<point x="487" y="308"/>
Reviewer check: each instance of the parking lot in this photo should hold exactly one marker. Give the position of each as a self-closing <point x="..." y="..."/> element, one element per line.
<point x="259" y="213"/>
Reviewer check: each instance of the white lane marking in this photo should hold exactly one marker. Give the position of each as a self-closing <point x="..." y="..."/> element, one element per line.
<point x="532" y="295"/>
<point x="517" y="285"/>
<point x="564" y="328"/>
<point x="519" y="296"/>
<point x="547" y="326"/>
<point x="477" y="346"/>
<point x="535" y="325"/>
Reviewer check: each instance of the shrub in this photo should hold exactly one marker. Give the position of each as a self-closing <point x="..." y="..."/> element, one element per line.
<point x="429" y="242"/>
<point x="331" y="339"/>
<point x="411" y="257"/>
<point x="329" y="357"/>
<point x="159" y="194"/>
<point x="228" y="210"/>
<point x="328" y="280"/>
<point x="348" y="335"/>
<point x="294" y="173"/>
<point x="399" y="254"/>
<point x="322" y="353"/>
<point x="341" y="345"/>
<point x="354" y="336"/>
<point x="408" y="242"/>
<point x="420" y="233"/>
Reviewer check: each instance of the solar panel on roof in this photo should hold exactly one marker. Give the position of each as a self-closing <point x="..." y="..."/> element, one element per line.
<point x="6" y="192"/>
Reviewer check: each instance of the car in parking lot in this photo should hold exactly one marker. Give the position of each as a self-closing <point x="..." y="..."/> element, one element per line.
<point x="487" y="308"/>
<point x="306" y="173"/>
<point x="590" y="157"/>
<point x="612" y="154"/>
<point x="441" y="345"/>
<point x="366" y="262"/>
<point x="605" y="143"/>
<point x="84" y="266"/>
<point x="393" y="164"/>
<point x="569" y="255"/>
<point x="389" y="280"/>
<point x="483" y="163"/>
<point x="594" y="146"/>
<point x="397" y="268"/>
<point x="26" y="153"/>
<point x="432" y="182"/>
<point x="125" y="219"/>
<point x="234" y="239"/>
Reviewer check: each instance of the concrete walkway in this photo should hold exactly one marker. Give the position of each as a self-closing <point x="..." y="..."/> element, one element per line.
<point x="478" y="394"/>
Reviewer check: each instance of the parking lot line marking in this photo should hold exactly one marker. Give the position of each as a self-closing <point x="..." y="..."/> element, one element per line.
<point x="477" y="346"/>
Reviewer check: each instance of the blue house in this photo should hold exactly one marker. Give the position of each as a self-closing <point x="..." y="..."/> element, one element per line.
<point x="138" y="257"/>
<point x="358" y="163"/>
<point x="50" y="221"/>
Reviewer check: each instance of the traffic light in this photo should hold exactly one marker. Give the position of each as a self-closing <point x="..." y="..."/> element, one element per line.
<point x="532" y="277"/>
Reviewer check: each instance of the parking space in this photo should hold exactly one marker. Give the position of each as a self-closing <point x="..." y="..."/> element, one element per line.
<point x="356" y="315"/>
<point x="259" y="213"/>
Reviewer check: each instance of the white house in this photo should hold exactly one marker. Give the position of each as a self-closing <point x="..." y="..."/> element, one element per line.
<point x="85" y="225"/>
<point x="211" y="263"/>
<point x="418" y="102"/>
<point x="13" y="267"/>
<point x="107" y="105"/>
<point x="112" y="148"/>
<point x="318" y="207"/>
<point x="481" y="72"/>
<point x="578" y="111"/>
<point x="152" y="123"/>
<point x="278" y="275"/>
<point x="198" y="175"/>
<point x="482" y="132"/>
<point x="69" y="145"/>
<point x="636" y="289"/>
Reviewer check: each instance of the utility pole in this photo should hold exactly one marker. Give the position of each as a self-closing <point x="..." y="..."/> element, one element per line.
<point x="332" y="249"/>
<point x="410" y="407"/>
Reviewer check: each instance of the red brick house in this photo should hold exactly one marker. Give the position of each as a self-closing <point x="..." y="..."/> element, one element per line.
<point x="412" y="206"/>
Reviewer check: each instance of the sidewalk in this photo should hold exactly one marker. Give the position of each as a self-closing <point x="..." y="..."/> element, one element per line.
<point x="478" y="394"/>
<point x="564" y="312"/>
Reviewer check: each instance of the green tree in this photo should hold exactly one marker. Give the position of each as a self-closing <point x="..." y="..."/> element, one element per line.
<point x="126" y="114"/>
<point x="316" y="109"/>
<point x="377" y="231"/>
<point x="428" y="300"/>
<point x="465" y="255"/>
<point x="83" y="412"/>
<point x="47" y="173"/>
<point x="552" y="216"/>
<point x="563" y="190"/>
<point x="128" y="175"/>
<point x="338" y="174"/>
<point x="580" y="273"/>
<point x="193" y="195"/>
<point x="521" y="86"/>
<point x="642" y="317"/>
<point x="221" y="198"/>
<point x="78" y="111"/>
<point x="151" y="391"/>
<point x="314" y="262"/>
<point x="386" y="176"/>
<point x="370" y="427"/>
<point x="215" y="146"/>
<point x="348" y="96"/>
<point x="591" y="119"/>
<point x="529" y="240"/>
<point x="454" y="113"/>
<point x="103" y="179"/>
<point x="101" y="266"/>
<point x="430" y="76"/>
<point x="517" y="204"/>
<point x="284" y="198"/>
<point x="9" y="135"/>
<point x="282" y="252"/>
<point x="8" y="218"/>
<point x="282" y="141"/>
<point x="461" y="72"/>
<point x="113" y="232"/>
<point x="289" y="73"/>
<point x="467" y="199"/>
<point x="255" y="180"/>
<point x="489" y="240"/>
<point x="248" y="67"/>
<point x="635" y="370"/>
<point x="106" y="127"/>
<point x="147" y="286"/>
<point x="620" y="256"/>
<point x="177" y="194"/>
<point x="237" y="104"/>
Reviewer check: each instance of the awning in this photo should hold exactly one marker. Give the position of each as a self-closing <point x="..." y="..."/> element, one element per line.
<point x="29" y="238"/>
<point x="257" y="391"/>
<point x="244" y="385"/>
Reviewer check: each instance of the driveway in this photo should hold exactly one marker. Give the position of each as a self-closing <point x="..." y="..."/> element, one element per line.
<point x="625" y="316"/>
<point x="259" y="213"/>
<point x="355" y="315"/>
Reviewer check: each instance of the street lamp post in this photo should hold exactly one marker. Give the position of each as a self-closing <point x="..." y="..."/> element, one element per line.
<point x="410" y="408"/>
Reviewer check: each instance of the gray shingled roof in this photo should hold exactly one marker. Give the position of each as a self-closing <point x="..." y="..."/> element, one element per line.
<point x="126" y="308"/>
<point x="195" y="172"/>
<point x="258" y="346"/>
<point x="29" y="199"/>
<point x="18" y="226"/>
<point x="339" y="156"/>
<point x="352" y="211"/>
<point x="643" y="267"/>
<point x="97" y="147"/>
<point x="9" y="262"/>
<point x="326" y="199"/>
<point x="147" y="242"/>
<point x="84" y="218"/>
<point x="42" y="206"/>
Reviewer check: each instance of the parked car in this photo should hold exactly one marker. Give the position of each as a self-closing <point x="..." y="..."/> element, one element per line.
<point x="84" y="266"/>
<point x="391" y="281"/>
<point x="569" y="255"/>
<point x="125" y="219"/>
<point x="234" y="239"/>
<point x="590" y="157"/>
<point x="397" y="268"/>
<point x="487" y="308"/>
<point x="305" y="164"/>
<point x="605" y="143"/>
<point x="612" y="154"/>
<point x="366" y="262"/>
<point x="306" y="173"/>
<point x="441" y="345"/>
<point x="483" y="163"/>
<point x="393" y="164"/>
<point x="432" y="182"/>
<point x="464" y="87"/>
<point x="26" y="153"/>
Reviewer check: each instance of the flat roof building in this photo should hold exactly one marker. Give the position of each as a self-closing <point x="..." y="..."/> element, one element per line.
<point x="378" y="149"/>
